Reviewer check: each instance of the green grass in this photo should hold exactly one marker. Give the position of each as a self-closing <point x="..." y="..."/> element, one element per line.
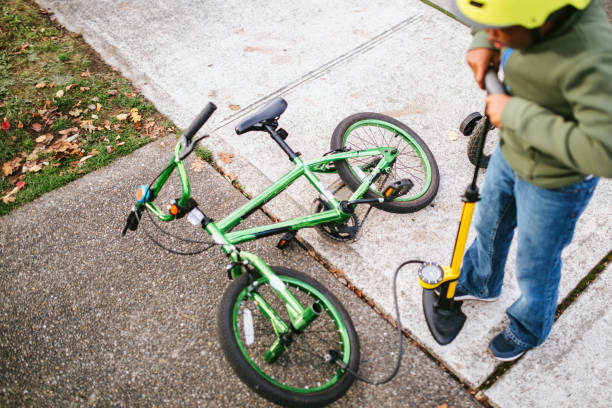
<point x="51" y="82"/>
<point x="205" y="154"/>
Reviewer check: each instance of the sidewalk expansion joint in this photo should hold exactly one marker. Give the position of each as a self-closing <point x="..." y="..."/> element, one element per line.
<point x="323" y="69"/>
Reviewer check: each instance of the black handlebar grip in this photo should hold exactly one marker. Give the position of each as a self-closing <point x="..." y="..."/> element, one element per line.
<point x="492" y="83"/>
<point x="199" y="121"/>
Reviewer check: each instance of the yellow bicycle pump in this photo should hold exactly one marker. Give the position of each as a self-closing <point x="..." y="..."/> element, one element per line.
<point x="442" y="312"/>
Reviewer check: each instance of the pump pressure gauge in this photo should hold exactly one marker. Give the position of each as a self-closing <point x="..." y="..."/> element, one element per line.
<point x="431" y="273"/>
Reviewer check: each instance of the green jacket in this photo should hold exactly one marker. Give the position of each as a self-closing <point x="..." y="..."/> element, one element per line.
<point x="557" y="127"/>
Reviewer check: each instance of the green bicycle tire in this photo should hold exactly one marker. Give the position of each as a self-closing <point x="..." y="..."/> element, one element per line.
<point x="415" y="161"/>
<point x="291" y="380"/>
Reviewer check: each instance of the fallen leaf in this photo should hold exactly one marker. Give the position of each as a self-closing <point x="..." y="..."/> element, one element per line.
<point x="198" y="165"/>
<point x="37" y="127"/>
<point x="452" y="136"/>
<point x="134" y="116"/>
<point x="109" y="149"/>
<point x="10" y="166"/>
<point x="6" y="125"/>
<point x="69" y="87"/>
<point x="83" y="159"/>
<point x="32" y="157"/>
<point x="68" y="131"/>
<point x="112" y="92"/>
<point x="41" y="85"/>
<point x="19" y="125"/>
<point x="52" y="85"/>
<point x="226" y="157"/>
<point x="10" y="196"/>
<point x="122" y="116"/>
<point x="231" y="177"/>
<point x="33" y="168"/>
<point x="234" y="107"/>
<point x="59" y="93"/>
<point x="75" y="112"/>
<point x="85" y="74"/>
<point x="88" y="125"/>
<point x="98" y="107"/>
<point x="84" y="88"/>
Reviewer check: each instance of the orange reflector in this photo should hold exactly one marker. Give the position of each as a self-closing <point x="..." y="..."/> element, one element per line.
<point x="139" y="194"/>
<point x="282" y="243"/>
<point x="388" y="192"/>
<point x="174" y="209"/>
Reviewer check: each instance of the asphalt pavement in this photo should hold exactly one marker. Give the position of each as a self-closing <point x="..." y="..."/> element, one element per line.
<point x="88" y="318"/>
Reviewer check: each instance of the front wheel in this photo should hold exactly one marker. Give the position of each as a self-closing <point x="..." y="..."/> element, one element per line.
<point x="414" y="161"/>
<point x="302" y="376"/>
<point x="474" y="143"/>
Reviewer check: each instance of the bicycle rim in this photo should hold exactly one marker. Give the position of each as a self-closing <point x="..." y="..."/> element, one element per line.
<point x="411" y="162"/>
<point x="302" y="367"/>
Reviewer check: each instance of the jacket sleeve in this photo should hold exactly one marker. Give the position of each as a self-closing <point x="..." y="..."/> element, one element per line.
<point x="582" y="142"/>
<point x="480" y="41"/>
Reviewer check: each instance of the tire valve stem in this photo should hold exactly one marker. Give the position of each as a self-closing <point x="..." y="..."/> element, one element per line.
<point x="332" y="356"/>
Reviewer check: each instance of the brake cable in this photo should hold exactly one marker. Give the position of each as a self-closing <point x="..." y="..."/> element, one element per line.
<point x="173" y="251"/>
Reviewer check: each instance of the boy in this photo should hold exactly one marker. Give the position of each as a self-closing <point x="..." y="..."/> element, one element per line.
<point x="555" y="141"/>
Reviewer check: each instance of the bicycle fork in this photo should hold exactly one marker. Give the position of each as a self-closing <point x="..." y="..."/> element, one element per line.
<point x="300" y="317"/>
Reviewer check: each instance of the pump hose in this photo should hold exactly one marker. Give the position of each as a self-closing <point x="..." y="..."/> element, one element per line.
<point x="399" y="331"/>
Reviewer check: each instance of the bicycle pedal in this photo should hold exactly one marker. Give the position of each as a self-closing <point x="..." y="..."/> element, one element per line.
<point x="397" y="189"/>
<point x="285" y="240"/>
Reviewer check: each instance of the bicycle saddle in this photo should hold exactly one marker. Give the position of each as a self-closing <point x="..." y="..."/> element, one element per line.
<point x="271" y="111"/>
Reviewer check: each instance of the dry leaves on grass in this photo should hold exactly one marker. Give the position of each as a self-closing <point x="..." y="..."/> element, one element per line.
<point x="10" y="196"/>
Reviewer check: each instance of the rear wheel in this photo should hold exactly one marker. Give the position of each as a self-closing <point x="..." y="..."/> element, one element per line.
<point x="301" y="376"/>
<point x="414" y="161"/>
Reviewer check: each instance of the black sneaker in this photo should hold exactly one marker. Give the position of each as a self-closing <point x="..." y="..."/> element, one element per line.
<point x="504" y="348"/>
<point x="460" y="294"/>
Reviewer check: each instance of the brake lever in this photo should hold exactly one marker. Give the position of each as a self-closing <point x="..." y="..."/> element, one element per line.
<point x="188" y="147"/>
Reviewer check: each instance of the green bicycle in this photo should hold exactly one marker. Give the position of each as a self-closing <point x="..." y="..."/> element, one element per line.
<point x="282" y="332"/>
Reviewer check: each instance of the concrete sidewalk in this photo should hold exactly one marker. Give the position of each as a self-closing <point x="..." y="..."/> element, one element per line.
<point x="405" y="60"/>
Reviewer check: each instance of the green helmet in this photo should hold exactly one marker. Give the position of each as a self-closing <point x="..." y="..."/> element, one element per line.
<point x="505" y="13"/>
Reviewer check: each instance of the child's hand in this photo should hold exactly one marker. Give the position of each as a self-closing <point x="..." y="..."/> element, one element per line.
<point x="479" y="60"/>
<point x="495" y="108"/>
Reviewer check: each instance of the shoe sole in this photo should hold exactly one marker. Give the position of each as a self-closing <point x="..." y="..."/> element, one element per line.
<point x="505" y="359"/>
<point x="470" y="297"/>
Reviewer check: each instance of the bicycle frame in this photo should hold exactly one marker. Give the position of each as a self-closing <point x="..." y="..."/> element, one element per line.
<point x="307" y="169"/>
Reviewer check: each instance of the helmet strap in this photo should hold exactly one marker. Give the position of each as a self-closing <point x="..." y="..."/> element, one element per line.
<point x="536" y="35"/>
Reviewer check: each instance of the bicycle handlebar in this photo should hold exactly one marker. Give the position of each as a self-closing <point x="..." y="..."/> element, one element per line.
<point x="199" y="121"/>
<point x="492" y="82"/>
<point x="184" y="147"/>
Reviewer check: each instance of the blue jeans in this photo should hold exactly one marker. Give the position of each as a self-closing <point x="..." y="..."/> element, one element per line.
<point x="545" y="220"/>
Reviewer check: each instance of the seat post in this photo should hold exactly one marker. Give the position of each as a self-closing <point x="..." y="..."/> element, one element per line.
<point x="272" y="131"/>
